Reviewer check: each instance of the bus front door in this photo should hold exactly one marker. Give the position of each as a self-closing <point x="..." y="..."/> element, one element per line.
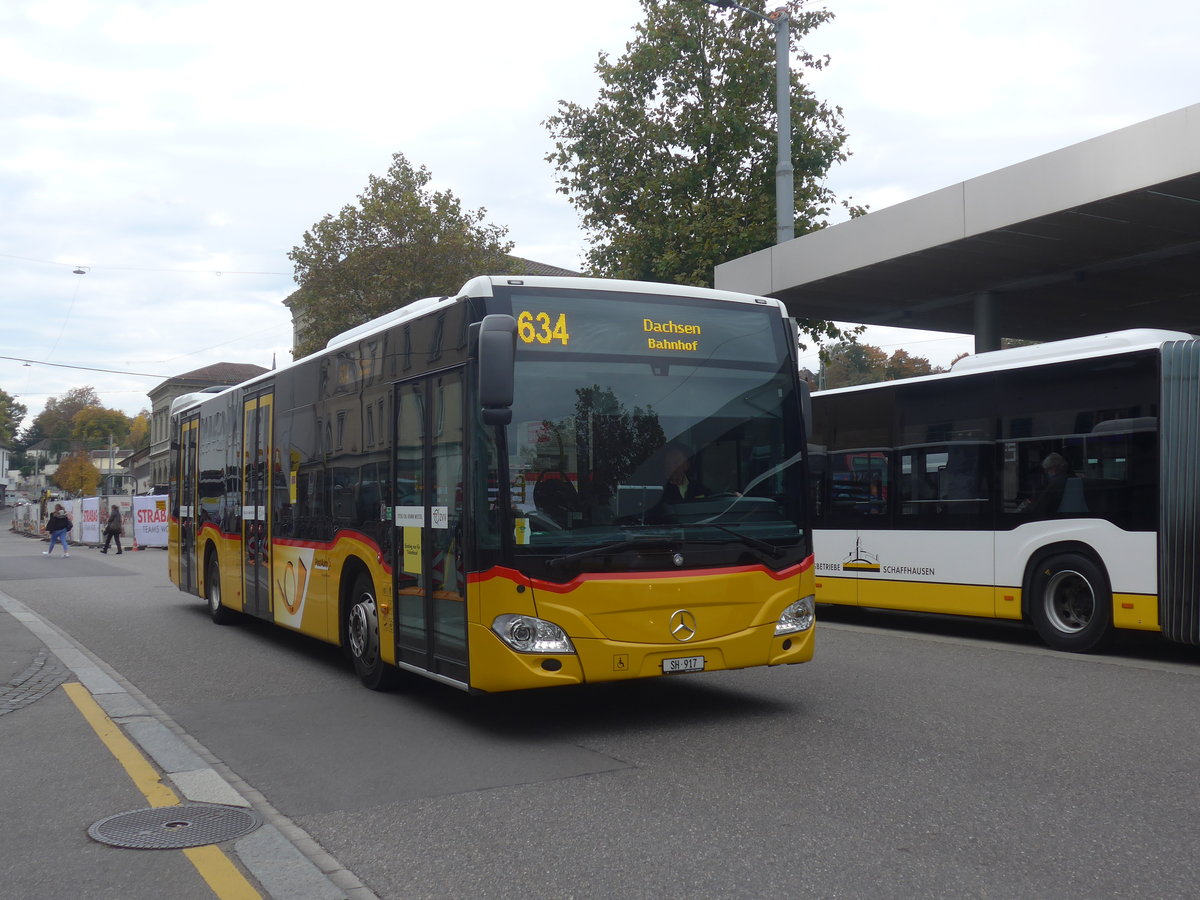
<point x="189" y="434"/>
<point x="429" y="581"/>
<point x="256" y="503"/>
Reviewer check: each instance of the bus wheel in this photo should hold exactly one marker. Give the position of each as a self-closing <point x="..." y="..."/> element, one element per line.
<point x="222" y="615"/>
<point x="1071" y="604"/>
<point x="362" y="634"/>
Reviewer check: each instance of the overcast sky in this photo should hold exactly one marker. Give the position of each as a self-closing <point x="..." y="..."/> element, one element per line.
<point x="175" y="151"/>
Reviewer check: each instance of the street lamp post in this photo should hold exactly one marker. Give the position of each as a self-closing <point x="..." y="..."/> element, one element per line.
<point x="785" y="192"/>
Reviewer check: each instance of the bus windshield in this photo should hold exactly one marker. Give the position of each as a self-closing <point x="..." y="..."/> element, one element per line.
<point x="606" y="450"/>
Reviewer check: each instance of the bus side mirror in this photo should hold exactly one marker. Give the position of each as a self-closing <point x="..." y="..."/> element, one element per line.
<point x="806" y="405"/>
<point x="497" y="352"/>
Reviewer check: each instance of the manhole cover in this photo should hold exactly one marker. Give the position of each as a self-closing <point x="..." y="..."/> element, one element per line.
<point x="174" y="827"/>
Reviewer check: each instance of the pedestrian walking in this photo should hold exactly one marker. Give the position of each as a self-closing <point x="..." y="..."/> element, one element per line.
<point x="113" y="529"/>
<point x="57" y="526"/>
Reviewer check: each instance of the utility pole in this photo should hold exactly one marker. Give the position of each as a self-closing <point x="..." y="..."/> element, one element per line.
<point x="785" y="190"/>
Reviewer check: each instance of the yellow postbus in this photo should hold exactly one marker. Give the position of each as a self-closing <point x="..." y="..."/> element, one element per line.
<point x="538" y="481"/>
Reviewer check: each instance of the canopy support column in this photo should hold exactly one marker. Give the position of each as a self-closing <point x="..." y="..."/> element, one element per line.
<point x="987" y="332"/>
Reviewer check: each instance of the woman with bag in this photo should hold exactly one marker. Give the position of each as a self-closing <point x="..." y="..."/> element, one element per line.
<point x="114" y="529"/>
<point x="57" y="526"/>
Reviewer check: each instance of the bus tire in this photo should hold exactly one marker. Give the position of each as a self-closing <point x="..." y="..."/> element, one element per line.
<point x="1071" y="603"/>
<point x="222" y="615"/>
<point x="362" y="637"/>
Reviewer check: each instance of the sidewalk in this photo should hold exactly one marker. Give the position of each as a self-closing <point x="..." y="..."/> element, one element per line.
<point x="27" y="669"/>
<point x="79" y="746"/>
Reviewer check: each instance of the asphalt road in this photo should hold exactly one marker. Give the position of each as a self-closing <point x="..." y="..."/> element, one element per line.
<point x="914" y="757"/>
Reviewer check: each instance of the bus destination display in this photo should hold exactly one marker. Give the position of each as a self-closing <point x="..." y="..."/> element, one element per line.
<point x="700" y="329"/>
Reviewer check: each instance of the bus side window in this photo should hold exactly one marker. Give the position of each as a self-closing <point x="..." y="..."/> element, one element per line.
<point x="964" y="482"/>
<point x="920" y="481"/>
<point x="859" y="482"/>
<point x="343" y="480"/>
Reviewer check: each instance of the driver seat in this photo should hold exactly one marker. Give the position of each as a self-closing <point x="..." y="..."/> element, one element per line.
<point x="557" y="498"/>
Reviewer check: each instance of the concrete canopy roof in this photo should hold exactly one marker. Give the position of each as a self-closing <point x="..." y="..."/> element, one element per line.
<point x="1097" y="237"/>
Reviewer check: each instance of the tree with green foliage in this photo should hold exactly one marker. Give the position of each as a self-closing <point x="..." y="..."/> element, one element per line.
<point x="673" y="169"/>
<point x="96" y="426"/>
<point x="400" y="242"/>
<point x="30" y="435"/>
<point x="56" y="420"/>
<point x="11" y="414"/>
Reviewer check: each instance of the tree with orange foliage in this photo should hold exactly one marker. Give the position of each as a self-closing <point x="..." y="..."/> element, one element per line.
<point x="77" y="475"/>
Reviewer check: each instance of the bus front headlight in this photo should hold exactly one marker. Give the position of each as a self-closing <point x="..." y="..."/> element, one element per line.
<point x="525" y="634"/>
<point x="798" y="616"/>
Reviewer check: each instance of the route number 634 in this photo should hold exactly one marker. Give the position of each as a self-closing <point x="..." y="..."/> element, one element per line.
<point x="542" y="328"/>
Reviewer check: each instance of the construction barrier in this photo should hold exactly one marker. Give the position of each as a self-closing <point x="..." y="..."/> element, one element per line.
<point x="144" y="519"/>
<point x="149" y="521"/>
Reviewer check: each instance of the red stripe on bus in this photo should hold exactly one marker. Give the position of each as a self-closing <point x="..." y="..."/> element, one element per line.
<point x="520" y="578"/>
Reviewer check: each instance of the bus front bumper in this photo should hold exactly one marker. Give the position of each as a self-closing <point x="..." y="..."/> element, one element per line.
<point x="494" y="667"/>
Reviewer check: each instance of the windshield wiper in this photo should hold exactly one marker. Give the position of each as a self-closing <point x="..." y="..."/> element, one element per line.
<point x="560" y="561"/>
<point x="769" y="549"/>
<point x="666" y="543"/>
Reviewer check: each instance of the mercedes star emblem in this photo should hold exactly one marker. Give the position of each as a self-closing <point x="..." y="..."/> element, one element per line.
<point x="683" y="625"/>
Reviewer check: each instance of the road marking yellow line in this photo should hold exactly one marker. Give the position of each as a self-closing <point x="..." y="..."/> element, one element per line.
<point x="211" y="862"/>
<point x="135" y="765"/>
<point x="221" y="874"/>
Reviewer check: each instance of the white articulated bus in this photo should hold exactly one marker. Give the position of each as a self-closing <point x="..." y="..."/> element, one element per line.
<point x="1057" y="484"/>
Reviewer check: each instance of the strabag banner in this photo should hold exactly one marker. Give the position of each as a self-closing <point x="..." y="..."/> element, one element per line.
<point x="150" y="520"/>
<point x="90" y="515"/>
